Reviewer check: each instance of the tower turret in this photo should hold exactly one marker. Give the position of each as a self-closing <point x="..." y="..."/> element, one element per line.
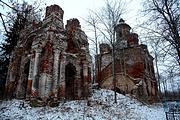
<point x="54" y="9"/>
<point x="104" y="48"/>
<point x="122" y="30"/>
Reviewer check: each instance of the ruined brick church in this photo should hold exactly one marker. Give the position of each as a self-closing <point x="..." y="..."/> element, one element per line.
<point x="133" y="65"/>
<point x="50" y="61"/>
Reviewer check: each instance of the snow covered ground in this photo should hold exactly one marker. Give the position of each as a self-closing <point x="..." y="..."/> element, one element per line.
<point x="100" y="106"/>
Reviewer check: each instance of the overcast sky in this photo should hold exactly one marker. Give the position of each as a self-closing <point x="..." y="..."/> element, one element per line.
<point x="79" y="9"/>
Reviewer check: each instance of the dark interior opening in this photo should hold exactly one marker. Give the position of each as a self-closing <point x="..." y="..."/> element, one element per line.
<point x="25" y="80"/>
<point x="70" y="73"/>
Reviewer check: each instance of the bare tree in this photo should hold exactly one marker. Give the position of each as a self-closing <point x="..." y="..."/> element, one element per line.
<point x="163" y="24"/>
<point x="103" y="23"/>
<point x="164" y="16"/>
<point x="92" y="22"/>
<point x="21" y="9"/>
<point x="161" y="30"/>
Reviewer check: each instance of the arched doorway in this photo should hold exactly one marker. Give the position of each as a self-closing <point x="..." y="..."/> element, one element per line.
<point x="25" y="79"/>
<point x="70" y="73"/>
<point x="22" y="85"/>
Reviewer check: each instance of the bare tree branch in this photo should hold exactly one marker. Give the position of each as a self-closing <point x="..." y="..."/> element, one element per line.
<point x="8" y="5"/>
<point x="4" y="25"/>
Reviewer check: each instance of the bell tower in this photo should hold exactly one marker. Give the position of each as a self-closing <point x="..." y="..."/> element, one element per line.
<point x="122" y="31"/>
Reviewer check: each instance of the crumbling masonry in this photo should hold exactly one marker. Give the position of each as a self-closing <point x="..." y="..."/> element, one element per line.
<point x="50" y="61"/>
<point x="134" y="71"/>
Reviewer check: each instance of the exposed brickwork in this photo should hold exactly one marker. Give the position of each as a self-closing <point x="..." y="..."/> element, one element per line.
<point x="134" y="72"/>
<point x="39" y="65"/>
